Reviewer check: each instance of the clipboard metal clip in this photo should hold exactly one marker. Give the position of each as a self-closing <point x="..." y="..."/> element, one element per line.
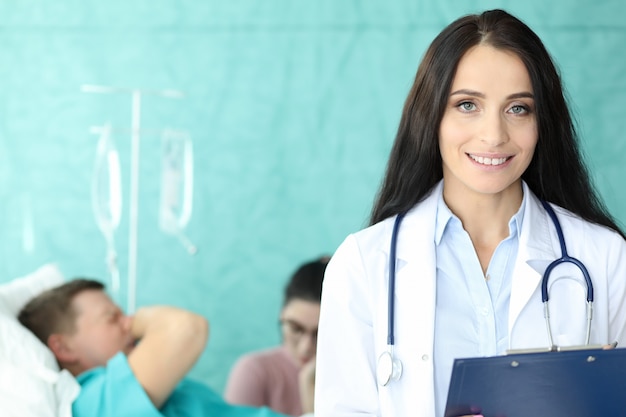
<point x="555" y="348"/>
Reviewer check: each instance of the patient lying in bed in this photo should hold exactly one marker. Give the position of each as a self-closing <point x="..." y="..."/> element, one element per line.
<point x="126" y="365"/>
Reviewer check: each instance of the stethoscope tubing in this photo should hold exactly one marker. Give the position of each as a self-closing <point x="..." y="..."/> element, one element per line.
<point x="563" y="259"/>
<point x="392" y="280"/>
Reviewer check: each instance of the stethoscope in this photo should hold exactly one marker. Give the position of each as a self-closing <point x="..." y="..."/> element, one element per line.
<point x="390" y="368"/>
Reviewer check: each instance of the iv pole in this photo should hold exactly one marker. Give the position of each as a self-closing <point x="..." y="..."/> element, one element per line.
<point x="134" y="173"/>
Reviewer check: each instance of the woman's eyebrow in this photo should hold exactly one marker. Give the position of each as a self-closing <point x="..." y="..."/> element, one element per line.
<point x="524" y="94"/>
<point x="468" y="93"/>
<point x="463" y="91"/>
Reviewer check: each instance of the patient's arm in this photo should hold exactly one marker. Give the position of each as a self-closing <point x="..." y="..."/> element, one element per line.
<point x="171" y="341"/>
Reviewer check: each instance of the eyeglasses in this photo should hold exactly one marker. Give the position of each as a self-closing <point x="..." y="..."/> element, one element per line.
<point x="295" y="331"/>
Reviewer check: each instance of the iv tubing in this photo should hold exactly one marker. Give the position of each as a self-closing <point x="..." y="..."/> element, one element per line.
<point x="134" y="201"/>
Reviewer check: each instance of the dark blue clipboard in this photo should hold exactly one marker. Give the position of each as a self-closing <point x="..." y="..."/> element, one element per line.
<point x="578" y="383"/>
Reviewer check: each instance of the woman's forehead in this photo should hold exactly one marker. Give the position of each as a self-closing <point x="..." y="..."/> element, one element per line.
<point x="485" y="67"/>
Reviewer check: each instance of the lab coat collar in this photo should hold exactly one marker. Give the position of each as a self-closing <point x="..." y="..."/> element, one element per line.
<point x="537" y="233"/>
<point x="536" y="251"/>
<point x="419" y="227"/>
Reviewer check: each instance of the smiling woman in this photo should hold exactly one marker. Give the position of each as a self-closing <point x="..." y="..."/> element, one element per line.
<point x="485" y="140"/>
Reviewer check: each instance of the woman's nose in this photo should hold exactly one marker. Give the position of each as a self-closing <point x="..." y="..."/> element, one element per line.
<point x="493" y="130"/>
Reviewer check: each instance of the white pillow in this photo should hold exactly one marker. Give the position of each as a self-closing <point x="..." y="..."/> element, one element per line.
<point x="15" y="294"/>
<point x="30" y="382"/>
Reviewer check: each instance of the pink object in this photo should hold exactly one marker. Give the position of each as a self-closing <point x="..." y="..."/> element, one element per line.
<point x="265" y="378"/>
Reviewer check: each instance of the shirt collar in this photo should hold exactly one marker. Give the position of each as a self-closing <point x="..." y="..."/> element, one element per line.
<point x="442" y="218"/>
<point x="444" y="215"/>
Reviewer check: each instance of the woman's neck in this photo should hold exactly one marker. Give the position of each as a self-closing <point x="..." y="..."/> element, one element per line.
<point x="485" y="217"/>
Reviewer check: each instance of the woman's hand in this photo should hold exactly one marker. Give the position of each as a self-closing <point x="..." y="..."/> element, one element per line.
<point x="306" y="379"/>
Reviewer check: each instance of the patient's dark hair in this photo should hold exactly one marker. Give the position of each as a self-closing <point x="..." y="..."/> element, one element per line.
<point x="306" y="282"/>
<point x="51" y="311"/>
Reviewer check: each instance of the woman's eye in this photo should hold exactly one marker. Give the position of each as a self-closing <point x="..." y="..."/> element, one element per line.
<point x="467" y="106"/>
<point x="518" y="109"/>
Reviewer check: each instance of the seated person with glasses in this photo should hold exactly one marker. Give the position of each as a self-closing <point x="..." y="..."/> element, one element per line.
<point x="282" y="378"/>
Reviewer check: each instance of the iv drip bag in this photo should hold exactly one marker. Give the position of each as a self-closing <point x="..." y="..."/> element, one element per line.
<point x="106" y="199"/>
<point x="106" y="192"/>
<point x="176" y="185"/>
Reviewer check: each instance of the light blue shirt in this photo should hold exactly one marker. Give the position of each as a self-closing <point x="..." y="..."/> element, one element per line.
<point x="472" y="309"/>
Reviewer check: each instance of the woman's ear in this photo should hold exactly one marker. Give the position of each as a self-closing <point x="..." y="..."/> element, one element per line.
<point x="60" y="348"/>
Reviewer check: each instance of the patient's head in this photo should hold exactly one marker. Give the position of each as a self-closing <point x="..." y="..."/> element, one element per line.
<point x="301" y="310"/>
<point x="79" y="323"/>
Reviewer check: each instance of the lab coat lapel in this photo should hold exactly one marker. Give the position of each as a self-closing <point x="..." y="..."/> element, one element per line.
<point x="416" y="270"/>
<point x="535" y="253"/>
<point x="415" y="305"/>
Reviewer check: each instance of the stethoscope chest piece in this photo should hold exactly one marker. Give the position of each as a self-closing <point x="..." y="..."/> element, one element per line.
<point x="388" y="369"/>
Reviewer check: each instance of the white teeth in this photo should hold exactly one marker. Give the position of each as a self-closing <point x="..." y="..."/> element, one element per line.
<point x="488" y="161"/>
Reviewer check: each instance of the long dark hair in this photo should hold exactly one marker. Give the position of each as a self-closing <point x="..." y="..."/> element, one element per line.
<point x="557" y="172"/>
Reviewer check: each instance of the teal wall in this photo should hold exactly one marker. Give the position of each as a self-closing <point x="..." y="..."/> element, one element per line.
<point x="292" y="107"/>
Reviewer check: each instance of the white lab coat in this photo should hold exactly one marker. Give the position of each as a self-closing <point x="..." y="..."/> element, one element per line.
<point x="354" y="309"/>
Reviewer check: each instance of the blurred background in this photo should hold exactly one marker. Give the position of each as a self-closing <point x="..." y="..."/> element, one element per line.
<point x="134" y="132"/>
